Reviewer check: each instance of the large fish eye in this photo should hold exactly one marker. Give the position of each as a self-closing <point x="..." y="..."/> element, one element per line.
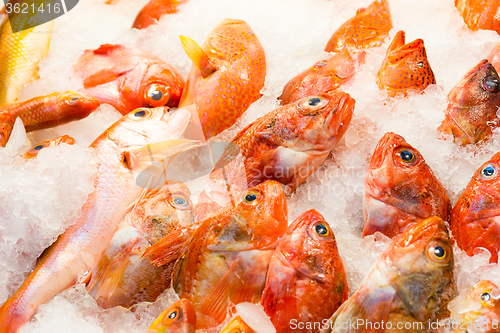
<point x="140" y="113"/>
<point x="321" y="230"/>
<point x="36" y="148"/>
<point x="406" y="157"/>
<point x="180" y="201"/>
<point x="172" y="316"/>
<point x="252" y="198"/>
<point x="311" y="105"/>
<point x="420" y="64"/>
<point x="490" y="84"/>
<point x="489" y="171"/>
<point x="439" y="253"/>
<point x="321" y="63"/>
<point x="485" y="297"/>
<point x="157" y="95"/>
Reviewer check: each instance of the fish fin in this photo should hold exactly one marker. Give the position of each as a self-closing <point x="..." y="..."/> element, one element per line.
<point x="168" y="249"/>
<point x="241" y="283"/>
<point x="7" y="121"/>
<point x="279" y="299"/>
<point x="198" y="56"/>
<point x="102" y="77"/>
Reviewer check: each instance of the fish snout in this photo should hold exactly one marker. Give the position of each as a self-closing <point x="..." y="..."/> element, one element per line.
<point x="340" y="115"/>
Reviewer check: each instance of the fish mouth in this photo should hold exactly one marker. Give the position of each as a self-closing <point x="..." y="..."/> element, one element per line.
<point x="340" y="116"/>
<point x="398" y="50"/>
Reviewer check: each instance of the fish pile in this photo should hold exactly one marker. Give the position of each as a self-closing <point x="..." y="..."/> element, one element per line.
<point x="207" y="193"/>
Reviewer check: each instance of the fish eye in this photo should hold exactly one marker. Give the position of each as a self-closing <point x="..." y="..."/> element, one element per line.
<point x="157" y="95"/>
<point x="490" y="84"/>
<point x="173" y="316"/>
<point x="74" y="99"/>
<point x="180" y="201"/>
<point x="420" y="64"/>
<point x="311" y="105"/>
<point x="320" y="230"/>
<point x="321" y="63"/>
<point x="36" y="148"/>
<point x="140" y="113"/>
<point x="406" y="157"/>
<point x="252" y="198"/>
<point x="489" y="171"/>
<point x="439" y="253"/>
<point x="485" y="297"/>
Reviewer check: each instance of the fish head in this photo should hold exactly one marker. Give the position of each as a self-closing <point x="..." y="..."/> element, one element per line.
<point x="313" y="124"/>
<point x="420" y="267"/>
<point x="237" y="325"/>
<point x="33" y="151"/>
<point x="480" y="305"/>
<point x="78" y="103"/>
<point x="405" y="67"/>
<point x="258" y="219"/>
<point x="161" y="86"/>
<point x="178" y="318"/>
<point x="310" y="247"/>
<point x="474" y="102"/>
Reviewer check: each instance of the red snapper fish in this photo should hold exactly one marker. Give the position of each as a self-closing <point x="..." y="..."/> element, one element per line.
<point x="227" y="75"/>
<point x="226" y="258"/>
<point x="475" y="218"/>
<point x="127" y="78"/>
<point x="326" y="75"/>
<point x="368" y="28"/>
<point x="405" y="67"/>
<point x="480" y="14"/>
<point x="411" y="283"/>
<point x="46" y="111"/>
<point x="75" y="253"/>
<point x="33" y="151"/>
<point x="178" y="318"/>
<point x="400" y="189"/>
<point x="472" y="105"/>
<point x="286" y="145"/>
<point x="152" y="12"/>
<point x="121" y="278"/>
<point x="306" y="281"/>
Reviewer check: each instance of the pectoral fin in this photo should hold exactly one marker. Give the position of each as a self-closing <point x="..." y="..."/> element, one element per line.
<point x="199" y="57"/>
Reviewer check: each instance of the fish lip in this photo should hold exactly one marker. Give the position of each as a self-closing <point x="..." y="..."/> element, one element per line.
<point x="344" y="110"/>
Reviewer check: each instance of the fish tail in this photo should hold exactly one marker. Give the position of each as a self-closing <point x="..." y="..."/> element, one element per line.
<point x="14" y="313"/>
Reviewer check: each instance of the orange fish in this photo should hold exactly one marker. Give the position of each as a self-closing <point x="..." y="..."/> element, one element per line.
<point x="226" y="259"/>
<point x="33" y="152"/>
<point x="472" y="105"/>
<point x="227" y="75"/>
<point x="128" y="78"/>
<point x="405" y="67"/>
<point x="121" y="278"/>
<point x="411" y="284"/>
<point x="369" y="28"/>
<point x="480" y="14"/>
<point x="152" y="12"/>
<point x="306" y="281"/>
<point x="478" y="310"/>
<point x="474" y="218"/>
<point x="286" y="145"/>
<point x="400" y="189"/>
<point x="46" y="111"/>
<point x="178" y="318"/>
<point x="75" y="253"/>
<point x="326" y="75"/>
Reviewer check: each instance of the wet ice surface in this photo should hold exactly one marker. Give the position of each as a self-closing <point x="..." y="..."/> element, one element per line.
<point x="41" y="197"/>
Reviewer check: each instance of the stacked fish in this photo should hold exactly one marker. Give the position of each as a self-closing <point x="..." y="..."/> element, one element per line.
<point x="140" y="234"/>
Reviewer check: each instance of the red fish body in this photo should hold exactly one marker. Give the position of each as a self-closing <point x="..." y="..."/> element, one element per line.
<point x="472" y="105"/>
<point x="127" y="78"/>
<point x="121" y="278"/>
<point x="286" y="145"/>
<point x="226" y="258"/>
<point x="400" y="189"/>
<point x="478" y="14"/>
<point x="72" y="257"/>
<point x="178" y="318"/>
<point x="46" y="111"/>
<point x="405" y="67"/>
<point x="475" y="218"/>
<point x="227" y="75"/>
<point x="368" y="28"/>
<point x="152" y="12"/>
<point x="306" y="281"/>
<point x="326" y="75"/>
<point x="411" y="283"/>
<point x="33" y="152"/>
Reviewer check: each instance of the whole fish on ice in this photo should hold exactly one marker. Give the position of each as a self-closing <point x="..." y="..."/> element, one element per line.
<point x="128" y="77"/>
<point x="368" y="28"/>
<point x="227" y="75"/>
<point x="306" y="281"/>
<point x="400" y="189"/>
<point x="46" y="111"/>
<point x="75" y="253"/>
<point x="405" y="67"/>
<point x="411" y="283"/>
<point x="180" y="317"/>
<point x="472" y="105"/>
